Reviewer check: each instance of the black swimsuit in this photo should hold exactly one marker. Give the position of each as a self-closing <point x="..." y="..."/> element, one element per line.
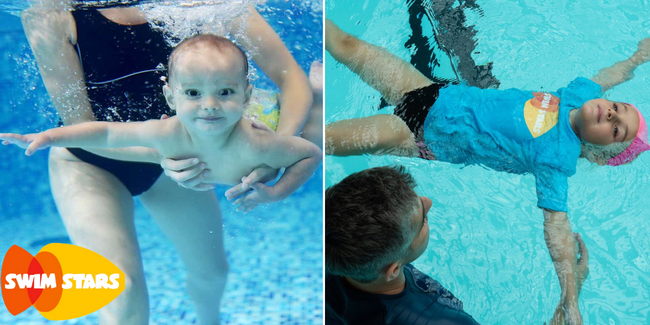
<point x="122" y="68"/>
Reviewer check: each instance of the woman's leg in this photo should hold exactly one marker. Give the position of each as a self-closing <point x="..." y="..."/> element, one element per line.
<point x="380" y="69"/>
<point x="192" y="221"/>
<point x="97" y="211"/>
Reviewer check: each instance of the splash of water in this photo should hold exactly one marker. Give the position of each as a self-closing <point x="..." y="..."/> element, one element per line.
<point x="178" y="20"/>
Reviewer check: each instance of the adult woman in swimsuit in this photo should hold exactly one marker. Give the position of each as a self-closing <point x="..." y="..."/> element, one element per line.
<point x="93" y="194"/>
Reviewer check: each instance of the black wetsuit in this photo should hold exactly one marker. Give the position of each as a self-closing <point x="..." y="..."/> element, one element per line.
<point x="423" y="302"/>
<point x="110" y="51"/>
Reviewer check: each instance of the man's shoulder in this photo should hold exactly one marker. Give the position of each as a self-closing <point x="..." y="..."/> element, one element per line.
<point x="430" y="288"/>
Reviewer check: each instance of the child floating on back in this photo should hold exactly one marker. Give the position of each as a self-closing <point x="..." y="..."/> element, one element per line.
<point x="542" y="133"/>
<point x="209" y="90"/>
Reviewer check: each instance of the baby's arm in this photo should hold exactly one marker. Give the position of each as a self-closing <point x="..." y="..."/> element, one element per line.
<point x="96" y="135"/>
<point x="299" y="156"/>
<point x="561" y="245"/>
<point x="624" y="70"/>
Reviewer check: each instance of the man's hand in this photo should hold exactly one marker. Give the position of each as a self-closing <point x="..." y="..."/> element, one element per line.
<point x="32" y="142"/>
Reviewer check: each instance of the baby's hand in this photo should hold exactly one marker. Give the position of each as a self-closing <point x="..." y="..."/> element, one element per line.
<point x="262" y="193"/>
<point x="31" y="142"/>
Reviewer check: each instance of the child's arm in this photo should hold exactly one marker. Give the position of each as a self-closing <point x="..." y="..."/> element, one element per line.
<point x="561" y="245"/>
<point x="299" y="156"/>
<point x="95" y="135"/>
<point x="582" y="273"/>
<point x="624" y="70"/>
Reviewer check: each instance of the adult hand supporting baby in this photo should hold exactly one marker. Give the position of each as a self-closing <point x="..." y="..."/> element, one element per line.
<point x="190" y="173"/>
<point x="258" y="175"/>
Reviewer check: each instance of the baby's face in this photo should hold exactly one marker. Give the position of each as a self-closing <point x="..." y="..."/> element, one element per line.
<point x="603" y="122"/>
<point x="209" y="90"/>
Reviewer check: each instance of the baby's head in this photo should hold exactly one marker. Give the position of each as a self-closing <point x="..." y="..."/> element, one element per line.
<point x="374" y="220"/>
<point x="612" y="133"/>
<point x="208" y="83"/>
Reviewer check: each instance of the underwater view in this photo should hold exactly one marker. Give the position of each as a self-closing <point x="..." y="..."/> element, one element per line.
<point x="274" y="252"/>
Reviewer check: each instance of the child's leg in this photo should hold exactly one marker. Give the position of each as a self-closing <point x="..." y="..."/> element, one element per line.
<point x="97" y="211"/>
<point x="387" y="73"/>
<point x="192" y="221"/>
<point x="379" y="135"/>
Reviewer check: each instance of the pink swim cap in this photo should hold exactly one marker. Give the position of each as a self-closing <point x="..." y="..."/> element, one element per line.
<point x="638" y="145"/>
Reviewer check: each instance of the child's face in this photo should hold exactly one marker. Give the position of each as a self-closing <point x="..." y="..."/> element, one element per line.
<point x="420" y="222"/>
<point x="602" y="122"/>
<point x="209" y="90"/>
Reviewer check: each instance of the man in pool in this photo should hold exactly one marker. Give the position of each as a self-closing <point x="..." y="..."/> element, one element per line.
<point x="375" y="225"/>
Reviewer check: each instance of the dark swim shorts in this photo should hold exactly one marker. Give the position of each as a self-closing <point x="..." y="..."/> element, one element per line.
<point x="413" y="109"/>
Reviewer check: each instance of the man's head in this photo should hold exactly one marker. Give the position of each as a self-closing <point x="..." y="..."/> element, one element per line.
<point x="374" y="220"/>
<point x="207" y="83"/>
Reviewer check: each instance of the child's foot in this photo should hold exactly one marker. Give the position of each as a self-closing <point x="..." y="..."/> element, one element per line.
<point x="316" y="80"/>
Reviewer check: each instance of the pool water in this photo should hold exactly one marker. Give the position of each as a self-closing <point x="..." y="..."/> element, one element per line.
<point x="486" y="241"/>
<point x="275" y="252"/>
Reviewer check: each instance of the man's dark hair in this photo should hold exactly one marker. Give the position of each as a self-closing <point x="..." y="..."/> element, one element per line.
<point x="218" y="42"/>
<point x="368" y="222"/>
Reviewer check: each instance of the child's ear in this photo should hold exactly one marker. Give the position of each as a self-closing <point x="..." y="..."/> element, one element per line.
<point x="248" y="93"/>
<point x="169" y="96"/>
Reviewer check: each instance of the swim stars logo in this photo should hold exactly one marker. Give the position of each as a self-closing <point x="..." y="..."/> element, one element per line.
<point x="62" y="281"/>
<point x="541" y="113"/>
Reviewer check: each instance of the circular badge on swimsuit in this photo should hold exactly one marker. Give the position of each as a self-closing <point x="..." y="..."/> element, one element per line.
<point x="541" y="113"/>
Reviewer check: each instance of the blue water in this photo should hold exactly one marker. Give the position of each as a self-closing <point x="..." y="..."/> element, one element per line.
<point x="275" y="252"/>
<point x="486" y="241"/>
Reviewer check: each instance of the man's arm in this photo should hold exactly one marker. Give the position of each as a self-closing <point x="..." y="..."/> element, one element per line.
<point x="624" y="70"/>
<point x="272" y="56"/>
<point x="561" y="245"/>
<point x="96" y="135"/>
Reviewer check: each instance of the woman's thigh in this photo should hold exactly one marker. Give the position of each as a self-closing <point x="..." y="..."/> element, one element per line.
<point x="97" y="210"/>
<point x="192" y="221"/>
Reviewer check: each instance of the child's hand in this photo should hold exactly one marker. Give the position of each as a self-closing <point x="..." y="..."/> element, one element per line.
<point x="583" y="261"/>
<point x="31" y="142"/>
<point x="262" y="193"/>
<point x="644" y="49"/>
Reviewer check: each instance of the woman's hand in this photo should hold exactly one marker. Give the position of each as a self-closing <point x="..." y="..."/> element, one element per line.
<point x="262" y="194"/>
<point x="259" y="175"/>
<point x="188" y="173"/>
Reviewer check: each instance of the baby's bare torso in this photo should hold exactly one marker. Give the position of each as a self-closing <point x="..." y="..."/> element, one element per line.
<point x="228" y="162"/>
